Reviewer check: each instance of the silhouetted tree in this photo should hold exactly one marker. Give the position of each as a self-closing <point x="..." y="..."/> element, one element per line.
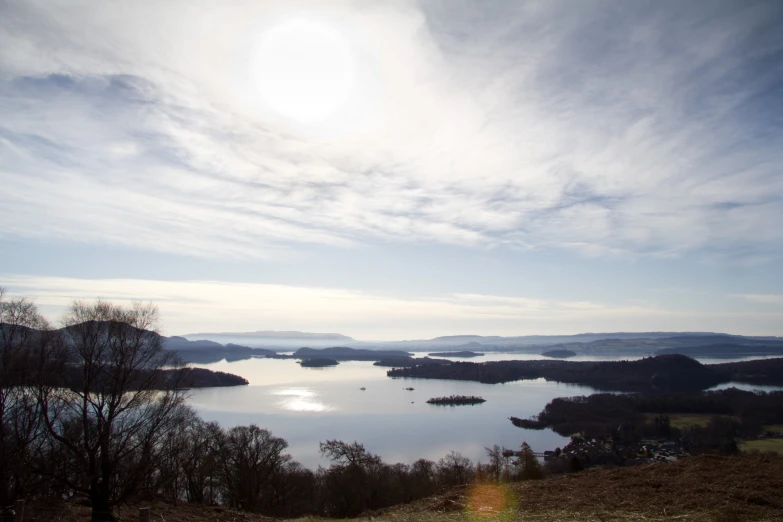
<point x="251" y="457"/>
<point x="115" y="407"/>
<point x="28" y="356"/>
<point x="528" y="466"/>
<point x="455" y="469"/>
<point x="351" y="484"/>
<point x="497" y="463"/>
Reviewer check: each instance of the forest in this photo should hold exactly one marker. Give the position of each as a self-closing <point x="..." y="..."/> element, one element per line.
<point x="730" y="414"/>
<point x="658" y="374"/>
<point x="122" y="430"/>
<point x="96" y="411"/>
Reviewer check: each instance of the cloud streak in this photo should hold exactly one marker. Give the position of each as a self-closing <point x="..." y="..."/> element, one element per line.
<point x="195" y="306"/>
<point x="624" y="129"/>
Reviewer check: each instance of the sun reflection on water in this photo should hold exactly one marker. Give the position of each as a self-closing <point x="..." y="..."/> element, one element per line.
<point x="300" y="400"/>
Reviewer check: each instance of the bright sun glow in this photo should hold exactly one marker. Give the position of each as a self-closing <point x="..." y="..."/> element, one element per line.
<point x="305" y="71"/>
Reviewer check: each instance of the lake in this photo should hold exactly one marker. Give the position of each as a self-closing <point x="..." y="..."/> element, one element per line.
<point x="308" y="405"/>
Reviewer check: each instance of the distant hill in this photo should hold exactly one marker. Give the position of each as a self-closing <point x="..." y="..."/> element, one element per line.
<point x="616" y="344"/>
<point x="342" y="353"/>
<point x="726" y="350"/>
<point x="204" y="351"/>
<point x="270" y="339"/>
<point x="408" y="362"/>
<point x="198" y="351"/>
<point x="277" y="334"/>
<point x="629" y="342"/>
<point x="556" y="339"/>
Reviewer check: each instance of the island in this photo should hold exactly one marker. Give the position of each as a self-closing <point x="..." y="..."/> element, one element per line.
<point x="456" y="400"/>
<point x="164" y="379"/>
<point x="559" y="354"/>
<point x="625" y="426"/>
<point x="408" y="362"/>
<point x="203" y="378"/>
<point x="662" y="373"/>
<point x="726" y="350"/>
<point x="204" y="351"/>
<point x="464" y="353"/>
<point x="341" y="353"/>
<point x="318" y="362"/>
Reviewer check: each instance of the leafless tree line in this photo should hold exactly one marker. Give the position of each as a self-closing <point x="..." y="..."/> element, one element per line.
<point x="85" y="413"/>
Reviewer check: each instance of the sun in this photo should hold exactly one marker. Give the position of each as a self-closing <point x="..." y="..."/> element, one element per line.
<point x="305" y="71"/>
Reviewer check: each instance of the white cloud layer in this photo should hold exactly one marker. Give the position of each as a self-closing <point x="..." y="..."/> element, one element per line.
<point x="213" y="306"/>
<point x="634" y="130"/>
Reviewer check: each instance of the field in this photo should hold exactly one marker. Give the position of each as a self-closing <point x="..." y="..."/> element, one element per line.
<point x="763" y="445"/>
<point x="686" y="420"/>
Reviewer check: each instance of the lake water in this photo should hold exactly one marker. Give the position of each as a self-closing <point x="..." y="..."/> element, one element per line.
<point x="308" y="405"/>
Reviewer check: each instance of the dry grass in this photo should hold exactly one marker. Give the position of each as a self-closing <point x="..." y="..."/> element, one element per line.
<point x="698" y="489"/>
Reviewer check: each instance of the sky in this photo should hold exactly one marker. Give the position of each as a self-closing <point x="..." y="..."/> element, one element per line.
<point x="397" y="170"/>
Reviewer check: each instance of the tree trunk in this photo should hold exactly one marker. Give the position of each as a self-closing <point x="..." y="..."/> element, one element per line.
<point x="99" y="496"/>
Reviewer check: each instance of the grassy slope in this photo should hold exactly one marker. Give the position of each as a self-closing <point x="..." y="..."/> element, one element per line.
<point x="775" y="445"/>
<point x="686" y="420"/>
<point x="703" y="488"/>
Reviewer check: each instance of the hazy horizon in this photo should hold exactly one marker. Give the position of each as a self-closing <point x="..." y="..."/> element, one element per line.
<point x="397" y="170"/>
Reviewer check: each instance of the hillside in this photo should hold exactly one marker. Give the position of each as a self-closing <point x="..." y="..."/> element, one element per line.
<point x="699" y="489"/>
<point x="203" y="351"/>
<point x="704" y="488"/>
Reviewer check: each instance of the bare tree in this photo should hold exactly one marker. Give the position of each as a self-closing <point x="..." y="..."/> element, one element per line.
<point x="251" y="457"/>
<point x="423" y="477"/>
<point x="455" y="469"/>
<point x="352" y="483"/>
<point x="201" y="465"/>
<point x="27" y="357"/>
<point x="116" y="404"/>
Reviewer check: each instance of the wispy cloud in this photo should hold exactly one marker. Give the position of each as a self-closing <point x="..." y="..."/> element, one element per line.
<point x="770" y="299"/>
<point x="649" y="130"/>
<point x="195" y="306"/>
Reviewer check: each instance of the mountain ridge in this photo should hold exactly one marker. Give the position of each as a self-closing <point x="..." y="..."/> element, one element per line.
<point x="275" y="334"/>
